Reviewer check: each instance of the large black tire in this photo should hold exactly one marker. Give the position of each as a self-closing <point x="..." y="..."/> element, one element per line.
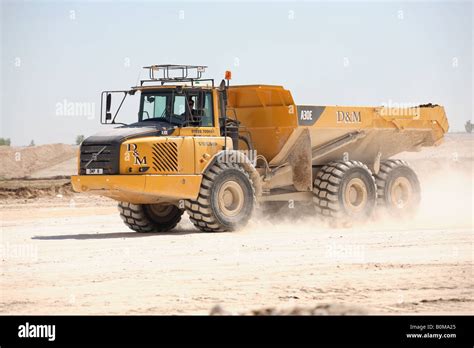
<point x="226" y="199"/>
<point x="398" y="188"/>
<point x="148" y="218"/>
<point x="345" y="190"/>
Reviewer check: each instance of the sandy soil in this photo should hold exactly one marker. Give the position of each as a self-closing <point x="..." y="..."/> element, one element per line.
<point x="23" y="161"/>
<point x="71" y="254"/>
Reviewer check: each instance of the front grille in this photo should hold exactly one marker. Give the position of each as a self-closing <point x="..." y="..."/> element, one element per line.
<point x="165" y="157"/>
<point x="99" y="156"/>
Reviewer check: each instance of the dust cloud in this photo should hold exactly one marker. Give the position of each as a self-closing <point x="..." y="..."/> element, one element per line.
<point x="446" y="179"/>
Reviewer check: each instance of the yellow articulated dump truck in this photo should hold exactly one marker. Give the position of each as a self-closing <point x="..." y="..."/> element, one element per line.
<point x="218" y="152"/>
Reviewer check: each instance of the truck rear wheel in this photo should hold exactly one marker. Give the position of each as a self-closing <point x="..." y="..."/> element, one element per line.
<point x="226" y="199"/>
<point x="398" y="188"/>
<point x="345" y="190"/>
<point x="150" y="217"/>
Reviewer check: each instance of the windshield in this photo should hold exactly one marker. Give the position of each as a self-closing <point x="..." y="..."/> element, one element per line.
<point x="191" y="108"/>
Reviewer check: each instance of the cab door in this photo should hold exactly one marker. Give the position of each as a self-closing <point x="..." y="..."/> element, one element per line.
<point x="206" y="134"/>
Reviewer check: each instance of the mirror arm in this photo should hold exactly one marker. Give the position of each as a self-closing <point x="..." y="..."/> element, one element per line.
<point x="120" y="106"/>
<point x="102" y="121"/>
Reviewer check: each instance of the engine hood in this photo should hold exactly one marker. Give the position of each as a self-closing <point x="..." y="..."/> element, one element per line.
<point x="118" y="135"/>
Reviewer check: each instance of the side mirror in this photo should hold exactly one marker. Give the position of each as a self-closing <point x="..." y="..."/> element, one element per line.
<point x="107" y="109"/>
<point x="108" y="103"/>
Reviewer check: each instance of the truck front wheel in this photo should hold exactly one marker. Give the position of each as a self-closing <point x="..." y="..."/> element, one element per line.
<point x="345" y="190"/>
<point x="226" y="199"/>
<point x="150" y="217"/>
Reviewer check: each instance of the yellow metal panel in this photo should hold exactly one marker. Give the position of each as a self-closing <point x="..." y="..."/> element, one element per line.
<point x="173" y="186"/>
<point x="206" y="148"/>
<point x="387" y="131"/>
<point x="268" y="113"/>
<point x="100" y="184"/>
<point x="199" y="131"/>
<point x="163" y="155"/>
<point x="144" y="189"/>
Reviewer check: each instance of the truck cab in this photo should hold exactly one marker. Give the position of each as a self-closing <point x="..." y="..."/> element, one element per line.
<point x="160" y="157"/>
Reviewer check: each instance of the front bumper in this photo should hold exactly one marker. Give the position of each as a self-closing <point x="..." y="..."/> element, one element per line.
<point x="139" y="189"/>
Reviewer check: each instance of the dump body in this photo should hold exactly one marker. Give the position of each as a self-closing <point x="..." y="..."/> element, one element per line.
<point x="275" y="123"/>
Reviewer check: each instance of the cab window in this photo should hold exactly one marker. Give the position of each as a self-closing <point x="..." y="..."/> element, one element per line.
<point x="179" y="106"/>
<point x="193" y="108"/>
<point x="207" y="119"/>
<point x="160" y="106"/>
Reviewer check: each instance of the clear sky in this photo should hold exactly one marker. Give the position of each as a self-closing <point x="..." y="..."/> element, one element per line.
<point x="56" y="57"/>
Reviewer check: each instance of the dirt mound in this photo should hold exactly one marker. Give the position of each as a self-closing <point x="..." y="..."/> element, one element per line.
<point x="65" y="168"/>
<point x="20" y="162"/>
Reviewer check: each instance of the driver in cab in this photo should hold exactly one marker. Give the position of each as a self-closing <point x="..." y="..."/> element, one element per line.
<point x="191" y="109"/>
<point x="194" y="117"/>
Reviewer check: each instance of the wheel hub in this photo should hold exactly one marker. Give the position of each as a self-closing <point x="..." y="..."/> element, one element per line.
<point x="161" y="210"/>
<point x="355" y="195"/>
<point x="231" y="198"/>
<point x="401" y="192"/>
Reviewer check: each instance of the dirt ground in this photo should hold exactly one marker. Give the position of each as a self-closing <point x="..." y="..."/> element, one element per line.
<point x="64" y="253"/>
